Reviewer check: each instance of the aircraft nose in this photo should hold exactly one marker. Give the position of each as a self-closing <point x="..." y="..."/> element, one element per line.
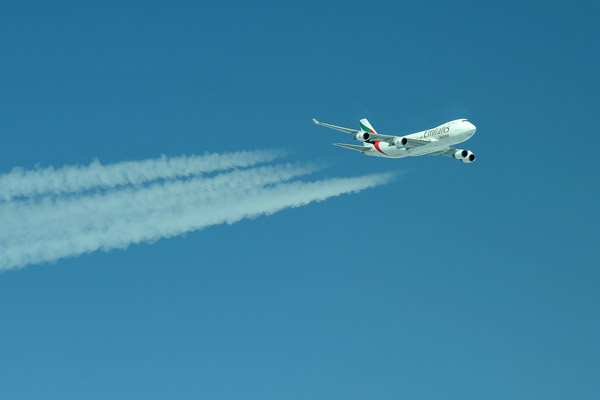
<point x="471" y="128"/>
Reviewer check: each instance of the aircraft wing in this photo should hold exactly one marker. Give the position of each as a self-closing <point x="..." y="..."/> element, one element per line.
<point x="382" y="138"/>
<point x="409" y="143"/>
<point x="353" y="132"/>
<point x="362" y="149"/>
<point x="406" y="142"/>
<point x="337" y="128"/>
<point x="402" y="142"/>
<point x="448" y="152"/>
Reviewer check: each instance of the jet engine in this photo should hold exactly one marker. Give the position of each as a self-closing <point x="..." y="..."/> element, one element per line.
<point x="362" y="136"/>
<point x="465" y="156"/>
<point x="400" y="142"/>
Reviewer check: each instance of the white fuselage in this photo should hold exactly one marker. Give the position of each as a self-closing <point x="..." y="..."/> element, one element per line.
<point x="441" y="138"/>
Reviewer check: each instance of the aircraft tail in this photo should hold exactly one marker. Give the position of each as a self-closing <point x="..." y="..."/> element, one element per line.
<point x="366" y="126"/>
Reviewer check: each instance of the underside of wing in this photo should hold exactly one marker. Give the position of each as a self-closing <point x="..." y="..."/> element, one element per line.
<point x="448" y="152"/>
<point x="401" y="142"/>
<point x="409" y="143"/>
<point x="362" y="149"/>
<point x="466" y="156"/>
<point x="383" y="138"/>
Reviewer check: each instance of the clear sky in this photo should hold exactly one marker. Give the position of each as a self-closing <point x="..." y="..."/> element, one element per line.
<point x="453" y="281"/>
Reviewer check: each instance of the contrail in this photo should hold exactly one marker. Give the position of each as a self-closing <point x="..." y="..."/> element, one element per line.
<point x="77" y="178"/>
<point x="37" y="230"/>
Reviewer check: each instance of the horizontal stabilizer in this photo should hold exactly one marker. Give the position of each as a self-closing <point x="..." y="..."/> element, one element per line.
<point x="362" y="149"/>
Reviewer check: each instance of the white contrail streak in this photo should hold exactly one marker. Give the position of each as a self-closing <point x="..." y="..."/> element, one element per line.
<point x="56" y="216"/>
<point x="77" y="178"/>
<point x="46" y="229"/>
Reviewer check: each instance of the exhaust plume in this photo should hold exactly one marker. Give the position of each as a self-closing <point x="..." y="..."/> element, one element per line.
<point x="168" y="199"/>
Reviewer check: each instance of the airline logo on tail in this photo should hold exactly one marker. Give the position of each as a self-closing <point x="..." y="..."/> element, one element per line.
<point x="366" y="126"/>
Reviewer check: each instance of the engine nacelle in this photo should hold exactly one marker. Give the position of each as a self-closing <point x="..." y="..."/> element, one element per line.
<point x="465" y="156"/>
<point x="400" y="142"/>
<point x="470" y="158"/>
<point x="362" y="136"/>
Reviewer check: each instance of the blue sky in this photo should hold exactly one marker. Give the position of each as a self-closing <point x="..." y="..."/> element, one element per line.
<point x="453" y="281"/>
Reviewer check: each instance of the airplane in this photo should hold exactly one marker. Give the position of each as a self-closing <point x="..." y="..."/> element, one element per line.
<point x="436" y="141"/>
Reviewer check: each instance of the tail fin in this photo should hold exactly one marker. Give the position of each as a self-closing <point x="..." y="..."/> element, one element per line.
<point x="366" y="126"/>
